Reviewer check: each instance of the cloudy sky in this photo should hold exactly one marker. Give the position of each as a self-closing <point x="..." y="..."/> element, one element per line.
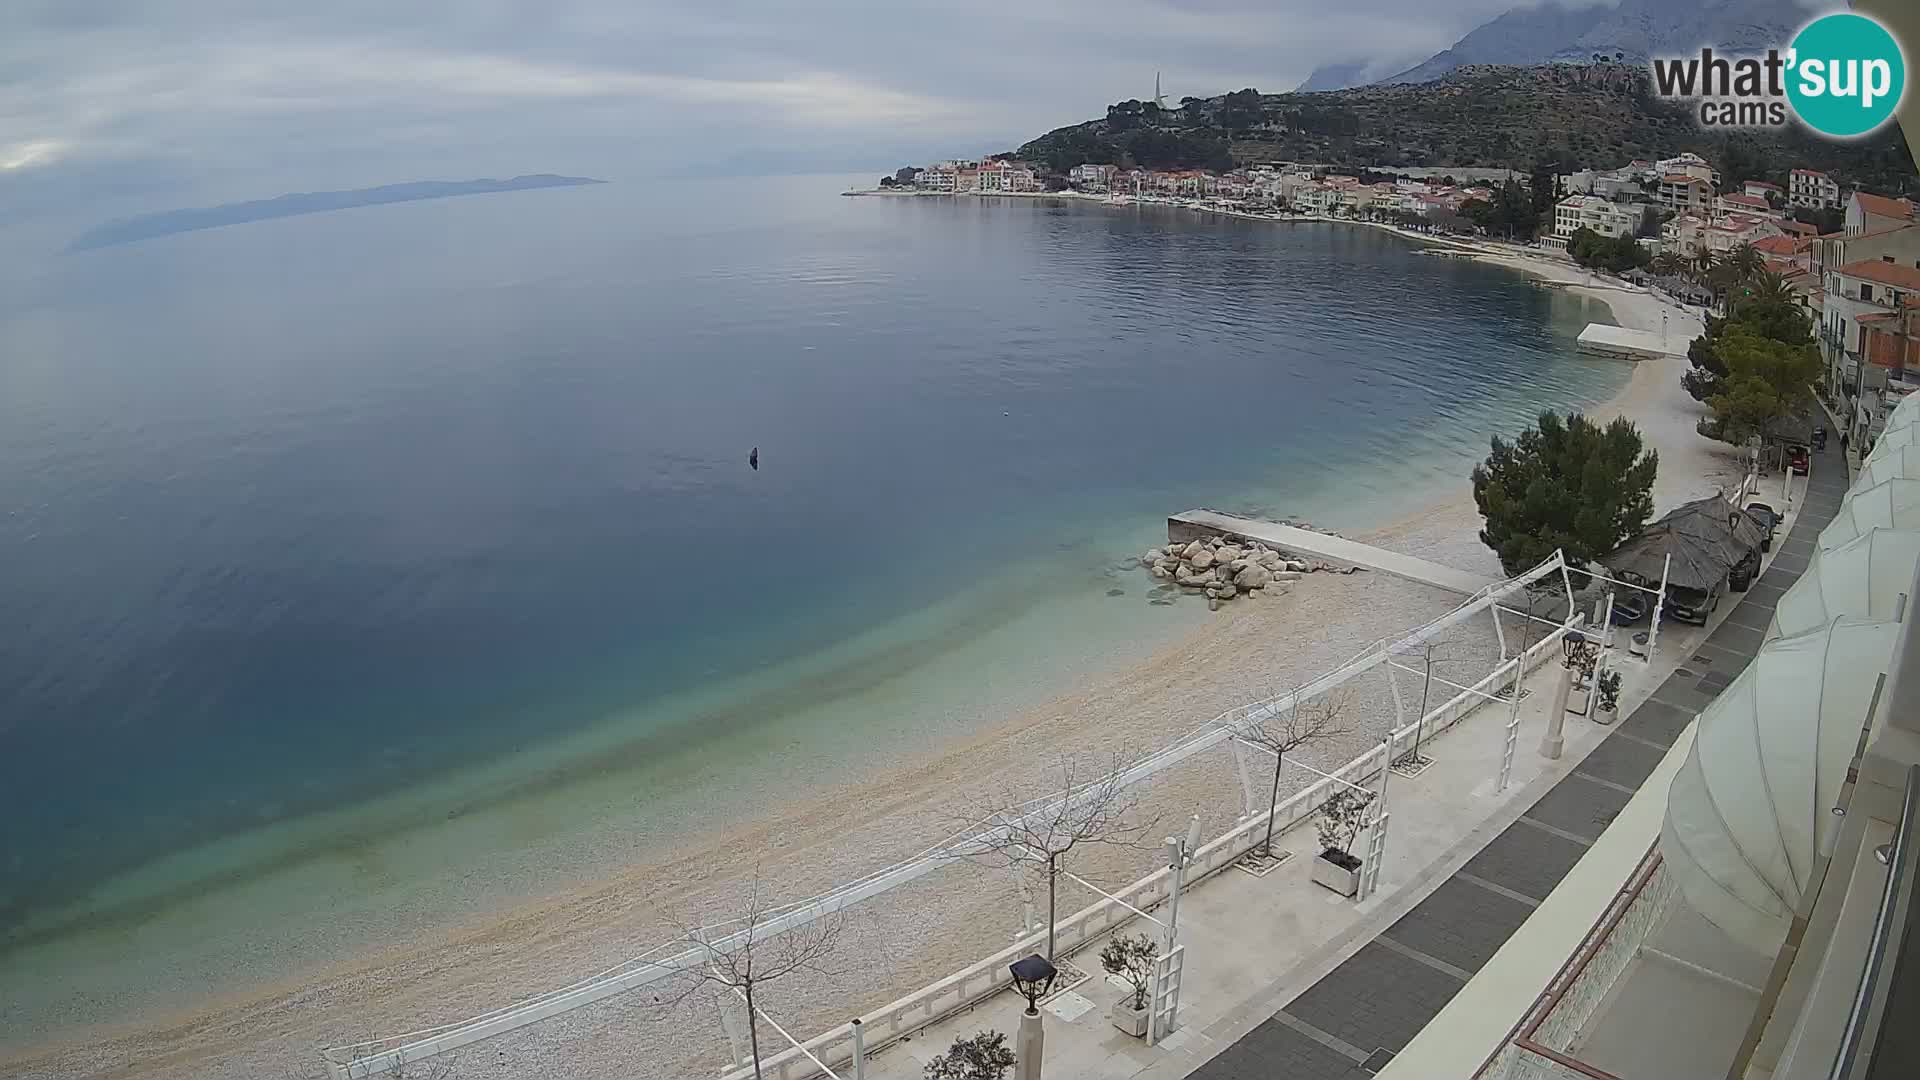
<point x="236" y="98"/>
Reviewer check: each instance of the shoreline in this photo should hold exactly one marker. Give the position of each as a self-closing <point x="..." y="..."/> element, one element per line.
<point x="576" y="929"/>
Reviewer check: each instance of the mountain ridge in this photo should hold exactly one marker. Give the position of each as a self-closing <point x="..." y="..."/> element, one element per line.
<point x="1633" y="32"/>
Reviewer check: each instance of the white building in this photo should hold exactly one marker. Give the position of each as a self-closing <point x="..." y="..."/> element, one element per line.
<point x="1688" y="165"/>
<point x="1603" y="216"/>
<point x="1091" y="177"/>
<point x="1681" y="192"/>
<point x="1812" y="188"/>
<point x="1867" y="212"/>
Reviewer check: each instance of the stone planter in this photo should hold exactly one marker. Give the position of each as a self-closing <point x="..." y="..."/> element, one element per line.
<point x="1343" y="879"/>
<point x="1129" y="1019"/>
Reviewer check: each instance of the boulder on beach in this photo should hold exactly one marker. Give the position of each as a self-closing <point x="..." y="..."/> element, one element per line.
<point x="1213" y="603"/>
<point x="1252" y="577"/>
<point x="1160" y="572"/>
<point x="1152" y="556"/>
<point x="1192" y="549"/>
<point x="1296" y="566"/>
<point x="1286" y="575"/>
<point x="1203" y="559"/>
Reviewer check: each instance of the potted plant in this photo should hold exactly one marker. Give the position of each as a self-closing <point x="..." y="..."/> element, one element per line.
<point x="1341" y="817"/>
<point x="1608" y="707"/>
<point x="984" y="1056"/>
<point x="1132" y="959"/>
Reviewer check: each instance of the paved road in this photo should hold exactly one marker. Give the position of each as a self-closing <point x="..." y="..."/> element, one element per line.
<point x="1348" y="1025"/>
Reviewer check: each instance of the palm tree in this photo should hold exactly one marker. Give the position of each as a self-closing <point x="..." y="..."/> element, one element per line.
<point x="1746" y="262"/>
<point x="1667" y="264"/>
<point x="1772" y="288"/>
<point x="1703" y="261"/>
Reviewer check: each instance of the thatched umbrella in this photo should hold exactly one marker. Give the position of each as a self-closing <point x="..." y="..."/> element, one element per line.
<point x="1704" y="539"/>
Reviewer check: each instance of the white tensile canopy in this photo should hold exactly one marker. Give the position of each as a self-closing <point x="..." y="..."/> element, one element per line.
<point x="1751" y="808"/>
<point x="1890" y="504"/>
<point x="1863" y="577"/>
<point x="1905" y="413"/>
<point x="1901" y="463"/>
<point x="1894" y="439"/>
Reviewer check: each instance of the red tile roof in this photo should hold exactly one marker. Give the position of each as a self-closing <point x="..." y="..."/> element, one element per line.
<point x="1777" y="245"/>
<point x="1886" y="273"/>
<point x="1753" y="201"/>
<point x="1881" y="206"/>
<point x="1761" y="184"/>
<point x="1808" y="172"/>
<point x="1799" y="228"/>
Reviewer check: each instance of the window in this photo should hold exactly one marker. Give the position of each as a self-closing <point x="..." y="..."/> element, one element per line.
<point x="1886" y="258"/>
<point x="1866" y="291"/>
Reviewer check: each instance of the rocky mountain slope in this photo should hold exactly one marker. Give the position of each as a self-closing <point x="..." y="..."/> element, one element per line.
<point x="1561" y="115"/>
<point x="1632" y="32"/>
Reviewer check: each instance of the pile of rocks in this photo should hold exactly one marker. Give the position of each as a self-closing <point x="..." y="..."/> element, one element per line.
<point x="1224" y="568"/>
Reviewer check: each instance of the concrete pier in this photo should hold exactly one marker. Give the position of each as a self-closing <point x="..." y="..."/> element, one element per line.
<point x="1307" y="544"/>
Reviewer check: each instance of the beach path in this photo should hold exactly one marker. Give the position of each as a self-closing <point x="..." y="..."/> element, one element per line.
<point x="1319" y="545"/>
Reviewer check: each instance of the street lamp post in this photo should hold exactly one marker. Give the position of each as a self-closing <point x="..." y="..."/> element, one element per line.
<point x="1574" y="646"/>
<point x="1032" y="977"/>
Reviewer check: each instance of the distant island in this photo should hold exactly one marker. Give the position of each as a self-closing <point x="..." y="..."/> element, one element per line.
<point x="168" y="222"/>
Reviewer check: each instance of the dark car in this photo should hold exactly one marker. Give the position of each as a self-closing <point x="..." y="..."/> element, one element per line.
<point x="1742" y="573"/>
<point x="1769" y="519"/>
<point x="1797" y="460"/>
<point x="1693" y="605"/>
<point x="1630" y="606"/>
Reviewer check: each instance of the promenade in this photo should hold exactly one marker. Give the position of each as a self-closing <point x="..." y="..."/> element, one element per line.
<point x="1287" y="980"/>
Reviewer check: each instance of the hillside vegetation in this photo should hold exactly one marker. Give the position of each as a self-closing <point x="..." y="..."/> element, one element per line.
<point x="1560" y="115"/>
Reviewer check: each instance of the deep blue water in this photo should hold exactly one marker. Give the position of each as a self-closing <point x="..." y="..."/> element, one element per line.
<point x="299" y="512"/>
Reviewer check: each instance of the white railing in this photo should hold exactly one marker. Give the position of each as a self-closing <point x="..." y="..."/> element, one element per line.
<point x="369" y="1059"/>
<point x="939" y="1000"/>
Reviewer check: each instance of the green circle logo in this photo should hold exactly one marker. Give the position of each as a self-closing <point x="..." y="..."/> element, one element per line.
<point x="1847" y="75"/>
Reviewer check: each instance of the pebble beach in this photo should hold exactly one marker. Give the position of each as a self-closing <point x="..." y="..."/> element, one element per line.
<point x="798" y="843"/>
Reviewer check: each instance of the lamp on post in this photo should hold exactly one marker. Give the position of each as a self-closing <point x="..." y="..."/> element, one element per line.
<point x="1574" y="647"/>
<point x="1032" y="978"/>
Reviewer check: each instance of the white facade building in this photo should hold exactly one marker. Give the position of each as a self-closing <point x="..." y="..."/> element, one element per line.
<point x="1603" y="216"/>
<point x="1812" y="188"/>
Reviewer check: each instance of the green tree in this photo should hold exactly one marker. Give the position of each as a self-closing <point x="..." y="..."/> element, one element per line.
<point x="1566" y="484"/>
<point x="1706" y="370"/>
<point x="1766" y="379"/>
<point x="984" y="1056"/>
<point x="1746" y="262"/>
<point x="1615" y="253"/>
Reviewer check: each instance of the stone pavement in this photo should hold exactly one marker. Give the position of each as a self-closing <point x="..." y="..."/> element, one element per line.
<point x="1350" y="1023"/>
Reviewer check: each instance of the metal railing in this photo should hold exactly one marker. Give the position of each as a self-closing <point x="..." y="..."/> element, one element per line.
<point x="1888" y="935"/>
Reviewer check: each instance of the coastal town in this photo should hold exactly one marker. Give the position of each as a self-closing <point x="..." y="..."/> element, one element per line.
<point x="1850" y="257"/>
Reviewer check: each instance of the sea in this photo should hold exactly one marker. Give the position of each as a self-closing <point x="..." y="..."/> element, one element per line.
<point x="349" y="555"/>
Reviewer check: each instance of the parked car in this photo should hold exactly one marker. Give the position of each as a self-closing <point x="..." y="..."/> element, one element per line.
<point x="1741" y="575"/>
<point x="1630" y="606"/>
<point x="1797" y="460"/>
<point x="1693" y="605"/>
<point x="1769" y="519"/>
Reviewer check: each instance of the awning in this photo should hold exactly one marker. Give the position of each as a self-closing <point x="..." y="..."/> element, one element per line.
<point x="1750" y="810"/>
<point x="1901" y="463"/>
<point x="1890" y="504"/>
<point x="1863" y="577"/>
<point x="1704" y="537"/>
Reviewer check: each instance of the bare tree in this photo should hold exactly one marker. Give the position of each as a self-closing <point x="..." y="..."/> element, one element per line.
<point x="1091" y="806"/>
<point x="1443" y="652"/>
<point x="1281" y="731"/>
<point x="744" y="954"/>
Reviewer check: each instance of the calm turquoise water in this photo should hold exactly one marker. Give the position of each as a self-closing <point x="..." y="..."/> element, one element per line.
<point x="448" y="503"/>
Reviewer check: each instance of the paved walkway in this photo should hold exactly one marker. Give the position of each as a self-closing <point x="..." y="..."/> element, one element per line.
<point x="1350" y="1023"/>
<point x="1334" y="549"/>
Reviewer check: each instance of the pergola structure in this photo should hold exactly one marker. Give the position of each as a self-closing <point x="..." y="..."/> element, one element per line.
<point x="376" y="1058"/>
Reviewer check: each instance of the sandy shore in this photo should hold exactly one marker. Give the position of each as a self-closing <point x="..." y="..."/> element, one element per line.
<point x="803" y="845"/>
